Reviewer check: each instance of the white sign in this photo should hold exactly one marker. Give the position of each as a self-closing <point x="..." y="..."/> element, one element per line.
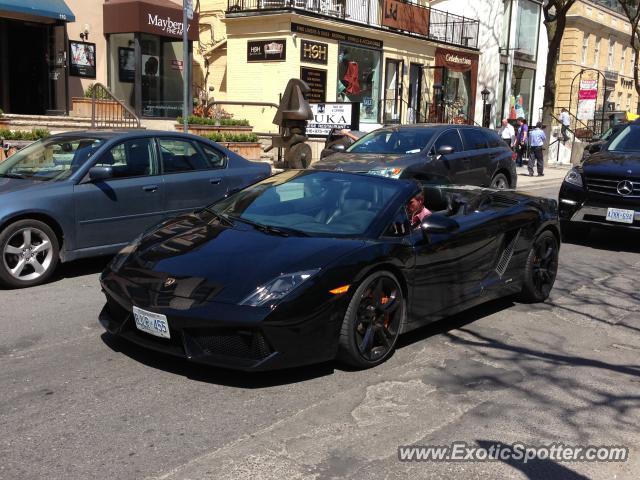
<point x="188" y="5"/>
<point x="587" y="96"/>
<point x="327" y="116"/>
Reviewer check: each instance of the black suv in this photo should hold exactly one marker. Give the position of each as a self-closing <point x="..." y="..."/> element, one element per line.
<point x="598" y="143"/>
<point x="605" y="189"/>
<point x="449" y="154"/>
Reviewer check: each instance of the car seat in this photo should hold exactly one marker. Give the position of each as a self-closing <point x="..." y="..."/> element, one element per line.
<point x="360" y="197"/>
<point x="138" y="160"/>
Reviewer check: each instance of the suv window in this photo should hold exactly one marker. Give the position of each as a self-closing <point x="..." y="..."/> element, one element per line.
<point x="474" y="138"/>
<point x="493" y="139"/>
<point x="181" y="156"/>
<point x="451" y="138"/>
<point x="133" y="158"/>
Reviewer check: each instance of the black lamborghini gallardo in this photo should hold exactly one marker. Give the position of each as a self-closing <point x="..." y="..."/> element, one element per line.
<point x="307" y="266"/>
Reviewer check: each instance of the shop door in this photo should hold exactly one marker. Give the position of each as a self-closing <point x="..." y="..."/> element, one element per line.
<point x="432" y="94"/>
<point x="393" y="91"/>
<point x="57" y="70"/>
<point x="414" y="112"/>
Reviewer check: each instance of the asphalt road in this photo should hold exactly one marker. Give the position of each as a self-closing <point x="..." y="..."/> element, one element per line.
<point x="76" y="403"/>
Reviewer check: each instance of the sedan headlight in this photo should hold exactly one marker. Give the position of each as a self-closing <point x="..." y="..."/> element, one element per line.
<point x="122" y="256"/>
<point x="574" y="177"/>
<point x="277" y="288"/>
<point x="386" y="172"/>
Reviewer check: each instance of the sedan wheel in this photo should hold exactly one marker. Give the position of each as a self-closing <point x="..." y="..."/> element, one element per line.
<point x="373" y="321"/>
<point x="29" y="253"/>
<point x="541" y="268"/>
<point x="500" y="182"/>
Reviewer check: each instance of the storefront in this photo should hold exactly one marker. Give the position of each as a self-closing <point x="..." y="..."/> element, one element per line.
<point x="145" y="54"/>
<point x="33" y="49"/>
<point x="455" y="81"/>
<point x="522" y="91"/>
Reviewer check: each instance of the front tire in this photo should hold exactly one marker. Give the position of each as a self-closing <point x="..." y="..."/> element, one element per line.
<point x="373" y="321"/>
<point x="540" y="268"/>
<point x="30" y="253"/>
<point x="500" y="182"/>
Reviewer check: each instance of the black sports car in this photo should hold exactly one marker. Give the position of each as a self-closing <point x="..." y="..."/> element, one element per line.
<point x="311" y="265"/>
<point x="604" y="191"/>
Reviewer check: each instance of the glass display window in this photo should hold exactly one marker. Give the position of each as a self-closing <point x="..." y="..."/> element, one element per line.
<point x="359" y="79"/>
<point x="521" y="100"/>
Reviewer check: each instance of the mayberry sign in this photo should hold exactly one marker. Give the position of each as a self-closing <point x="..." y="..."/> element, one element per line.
<point x="159" y="17"/>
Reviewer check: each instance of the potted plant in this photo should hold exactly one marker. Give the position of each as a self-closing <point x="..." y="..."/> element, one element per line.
<point x="82" y="106"/>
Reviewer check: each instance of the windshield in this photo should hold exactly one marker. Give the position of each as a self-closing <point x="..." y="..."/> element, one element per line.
<point x="312" y="203"/>
<point x="398" y="141"/>
<point x="626" y="141"/>
<point x="50" y="159"/>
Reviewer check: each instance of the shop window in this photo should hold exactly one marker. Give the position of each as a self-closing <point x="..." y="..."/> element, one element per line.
<point x="457" y="96"/>
<point x="359" y="80"/>
<point x="528" y="21"/>
<point x="122" y="66"/>
<point x="162" y="63"/>
<point x="521" y="99"/>
<point x="506" y="25"/>
<point x="393" y="91"/>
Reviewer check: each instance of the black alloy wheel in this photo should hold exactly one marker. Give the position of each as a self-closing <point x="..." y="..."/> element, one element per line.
<point x="541" y="268"/>
<point x="373" y="321"/>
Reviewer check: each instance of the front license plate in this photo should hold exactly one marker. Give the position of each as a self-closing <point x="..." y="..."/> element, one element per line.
<point x="153" y="323"/>
<point x="620" y="215"/>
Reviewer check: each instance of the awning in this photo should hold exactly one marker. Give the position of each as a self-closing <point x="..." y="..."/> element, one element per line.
<point x="39" y="8"/>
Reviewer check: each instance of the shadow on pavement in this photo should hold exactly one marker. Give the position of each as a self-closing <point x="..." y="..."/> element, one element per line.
<point x="612" y="239"/>
<point x="80" y="268"/>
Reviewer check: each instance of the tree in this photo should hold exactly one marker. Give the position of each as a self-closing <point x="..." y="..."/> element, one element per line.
<point x="555" y="21"/>
<point x="631" y="10"/>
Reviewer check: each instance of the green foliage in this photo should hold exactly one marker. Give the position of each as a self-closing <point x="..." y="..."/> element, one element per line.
<point x="232" y="137"/>
<point x="35" y="134"/>
<point x="227" y="122"/>
<point x="100" y="94"/>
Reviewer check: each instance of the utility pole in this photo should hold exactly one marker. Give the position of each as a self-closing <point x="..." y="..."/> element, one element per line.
<point x="187" y="14"/>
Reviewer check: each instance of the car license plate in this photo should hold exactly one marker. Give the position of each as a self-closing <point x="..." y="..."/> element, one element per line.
<point x="620" y="215"/>
<point x="153" y="323"/>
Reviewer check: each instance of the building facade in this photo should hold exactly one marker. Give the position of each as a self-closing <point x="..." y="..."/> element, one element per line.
<point x="595" y="49"/>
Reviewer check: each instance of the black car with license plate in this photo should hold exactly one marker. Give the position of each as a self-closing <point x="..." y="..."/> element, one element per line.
<point x="310" y="265"/>
<point x="433" y="153"/>
<point x="605" y="189"/>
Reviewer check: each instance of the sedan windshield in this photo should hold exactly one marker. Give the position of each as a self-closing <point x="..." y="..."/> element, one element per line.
<point x="627" y="141"/>
<point x="311" y="203"/>
<point x="398" y="141"/>
<point x="51" y="159"/>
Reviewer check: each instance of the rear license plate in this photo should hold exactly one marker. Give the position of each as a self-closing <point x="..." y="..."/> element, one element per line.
<point x="153" y="323"/>
<point x="620" y="215"/>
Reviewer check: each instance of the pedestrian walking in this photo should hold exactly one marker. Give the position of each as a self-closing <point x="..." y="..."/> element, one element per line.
<point x="507" y="133"/>
<point x="566" y="123"/>
<point x="522" y="138"/>
<point x="537" y="139"/>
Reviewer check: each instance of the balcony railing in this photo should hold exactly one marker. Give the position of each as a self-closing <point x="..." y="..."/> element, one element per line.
<point x="442" y="26"/>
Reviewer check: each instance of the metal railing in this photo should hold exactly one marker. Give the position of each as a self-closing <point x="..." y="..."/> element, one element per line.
<point x="109" y="112"/>
<point x="442" y="26"/>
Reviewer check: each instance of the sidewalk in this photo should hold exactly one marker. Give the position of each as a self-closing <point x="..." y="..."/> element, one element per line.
<point x="553" y="175"/>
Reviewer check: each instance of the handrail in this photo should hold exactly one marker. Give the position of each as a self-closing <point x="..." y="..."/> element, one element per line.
<point x="110" y="116"/>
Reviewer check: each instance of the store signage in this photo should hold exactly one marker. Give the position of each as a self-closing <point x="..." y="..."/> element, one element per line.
<point x="339" y="36"/>
<point x="82" y="61"/>
<point x="587" y="96"/>
<point x="177" y="65"/>
<point x="457" y="59"/>
<point x="327" y="116"/>
<point x="405" y="16"/>
<point x="317" y="81"/>
<point x="267" y="51"/>
<point x="314" y="52"/>
<point x="626" y="83"/>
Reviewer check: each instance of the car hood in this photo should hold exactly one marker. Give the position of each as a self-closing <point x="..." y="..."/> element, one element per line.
<point x="612" y="164"/>
<point x="363" y="162"/>
<point x="9" y="185"/>
<point x="227" y="263"/>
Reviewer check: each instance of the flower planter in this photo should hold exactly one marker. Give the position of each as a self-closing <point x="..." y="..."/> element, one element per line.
<point x="248" y="150"/>
<point x="210" y="129"/>
<point x="81" y="107"/>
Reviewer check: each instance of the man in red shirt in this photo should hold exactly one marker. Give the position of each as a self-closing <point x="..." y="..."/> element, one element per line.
<point x="417" y="210"/>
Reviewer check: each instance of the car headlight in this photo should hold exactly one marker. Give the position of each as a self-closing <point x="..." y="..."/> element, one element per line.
<point x="574" y="177"/>
<point x="122" y="256"/>
<point x="386" y="172"/>
<point x="277" y="288"/>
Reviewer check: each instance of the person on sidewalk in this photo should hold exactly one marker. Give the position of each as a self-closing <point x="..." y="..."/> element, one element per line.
<point x="520" y="144"/>
<point x="507" y="133"/>
<point x="537" y="138"/>
<point x="566" y="123"/>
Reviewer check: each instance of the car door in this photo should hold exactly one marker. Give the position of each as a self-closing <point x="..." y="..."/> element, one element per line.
<point x="446" y="165"/>
<point x="195" y="174"/>
<point x="114" y="211"/>
<point x="476" y="158"/>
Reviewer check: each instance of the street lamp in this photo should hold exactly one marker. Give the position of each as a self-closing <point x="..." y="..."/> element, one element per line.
<point x="485" y="115"/>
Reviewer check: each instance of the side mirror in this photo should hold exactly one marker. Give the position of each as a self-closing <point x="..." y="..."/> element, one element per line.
<point x="338" y="147"/>
<point x="436" y="223"/>
<point x="595" y="138"/>
<point x="97" y="174"/>
<point x="446" y="150"/>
